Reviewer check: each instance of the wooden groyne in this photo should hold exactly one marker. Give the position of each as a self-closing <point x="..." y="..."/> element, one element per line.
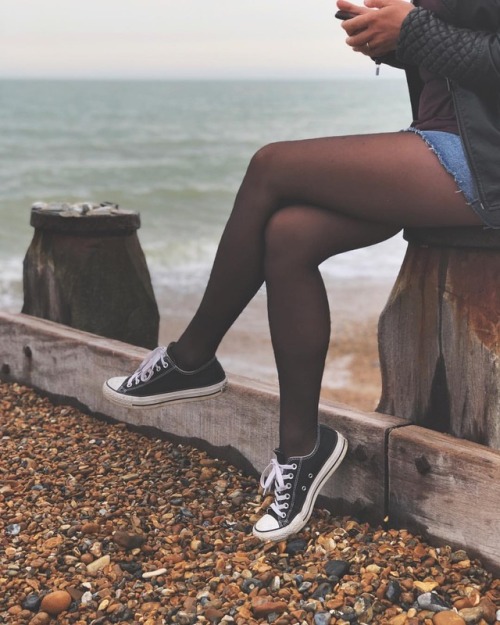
<point x="444" y="487"/>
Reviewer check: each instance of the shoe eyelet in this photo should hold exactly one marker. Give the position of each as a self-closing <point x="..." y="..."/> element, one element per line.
<point x="286" y="506"/>
<point x="288" y="486"/>
<point x="310" y="476"/>
<point x="287" y="496"/>
<point x="304" y="488"/>
<point x="283" y="515"/>
<point x="294" y="466"/>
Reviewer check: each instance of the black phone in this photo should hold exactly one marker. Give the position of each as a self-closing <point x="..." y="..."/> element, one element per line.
<point x="344" y="15"/>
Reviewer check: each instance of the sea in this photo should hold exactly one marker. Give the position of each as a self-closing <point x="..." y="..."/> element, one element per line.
<point x="176" y="152"/>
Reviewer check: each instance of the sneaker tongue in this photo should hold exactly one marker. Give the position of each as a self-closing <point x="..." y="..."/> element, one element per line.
<point x="280" y="456"/>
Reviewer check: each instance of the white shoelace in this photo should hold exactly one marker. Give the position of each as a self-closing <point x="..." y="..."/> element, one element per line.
<point x="273" y="475"/>
<point x="148" y="366"/>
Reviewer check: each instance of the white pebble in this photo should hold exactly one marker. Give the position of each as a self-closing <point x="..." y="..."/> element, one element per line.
<point x="150" y="574"/>
<point x="98" y="564"/>
<point x="86" y="598"/>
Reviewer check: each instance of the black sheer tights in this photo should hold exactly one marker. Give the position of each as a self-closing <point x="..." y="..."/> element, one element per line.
<point x="300" y="203"/>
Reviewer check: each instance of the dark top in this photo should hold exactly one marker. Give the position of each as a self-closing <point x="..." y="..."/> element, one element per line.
<point x="435" y="109"/>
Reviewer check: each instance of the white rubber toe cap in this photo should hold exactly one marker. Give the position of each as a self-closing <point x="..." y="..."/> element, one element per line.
<point x="266" y="524"/>
<point x="115" y="383"/>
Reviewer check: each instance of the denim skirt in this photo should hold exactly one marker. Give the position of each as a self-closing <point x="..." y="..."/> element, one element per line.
<point x="449" y="149"/>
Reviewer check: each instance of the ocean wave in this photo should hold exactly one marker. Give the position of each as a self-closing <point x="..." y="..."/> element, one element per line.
<point x="11" y="284"/>
<point x="175" y="152"/>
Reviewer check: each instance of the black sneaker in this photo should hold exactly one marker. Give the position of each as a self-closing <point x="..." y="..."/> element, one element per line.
<point x="296" y="483"/>
<point x="158" y="380"/>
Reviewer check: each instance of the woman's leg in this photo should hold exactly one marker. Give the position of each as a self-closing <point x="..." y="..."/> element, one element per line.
<point x="298" y="240"/>
<point x="391" y="179"/>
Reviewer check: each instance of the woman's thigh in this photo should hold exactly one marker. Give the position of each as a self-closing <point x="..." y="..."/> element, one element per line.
<point x="391" y="178"/>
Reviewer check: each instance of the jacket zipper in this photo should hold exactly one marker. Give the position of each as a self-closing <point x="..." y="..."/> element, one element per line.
<point x="464" y="138"/>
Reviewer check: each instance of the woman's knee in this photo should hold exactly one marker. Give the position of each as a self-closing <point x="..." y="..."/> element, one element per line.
<point x="286" y="241"/>
<point x="267" y="161"/>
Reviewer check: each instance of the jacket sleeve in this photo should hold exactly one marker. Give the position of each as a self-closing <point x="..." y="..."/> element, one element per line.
<point x="469" y="57"/>
<point x="390" y="59"/>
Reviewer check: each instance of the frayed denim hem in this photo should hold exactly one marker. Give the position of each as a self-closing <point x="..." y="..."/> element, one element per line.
<point x="448" y="148"/>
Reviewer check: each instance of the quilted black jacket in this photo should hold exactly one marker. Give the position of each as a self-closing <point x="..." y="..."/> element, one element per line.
<point x="464" y="47"/>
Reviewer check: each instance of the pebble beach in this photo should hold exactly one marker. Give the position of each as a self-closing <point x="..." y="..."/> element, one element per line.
<point x="102" y="524"/>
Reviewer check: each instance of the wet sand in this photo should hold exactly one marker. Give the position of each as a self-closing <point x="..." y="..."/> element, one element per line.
<point x="352" y="374"/>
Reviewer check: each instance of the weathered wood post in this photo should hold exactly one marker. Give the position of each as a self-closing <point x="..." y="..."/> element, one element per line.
<point x="439" y="334"/>
<point x="85" y="268"/>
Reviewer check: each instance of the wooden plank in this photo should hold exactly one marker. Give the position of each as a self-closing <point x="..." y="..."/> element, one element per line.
<point x="439" y="339"/>
<point x="241" y="425"/>
<point x="447" y="489"/>
<point x="470" y="344"/>
<point x="408" y="335"/>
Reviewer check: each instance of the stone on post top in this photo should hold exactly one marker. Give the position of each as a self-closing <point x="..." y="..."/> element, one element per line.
<point x="84" y="218"/>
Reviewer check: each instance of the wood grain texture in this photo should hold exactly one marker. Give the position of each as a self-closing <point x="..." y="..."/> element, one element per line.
<point x="240" y="425"/>
<point x="439" y="340"/>
<point x="447" y="489"/>
<point x="92" y="282"/>
<point x="408" y="336"/>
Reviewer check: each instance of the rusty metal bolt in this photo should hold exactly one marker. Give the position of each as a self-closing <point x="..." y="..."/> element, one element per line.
<point x="360" y="453"/>
<point x="422" y="464"/>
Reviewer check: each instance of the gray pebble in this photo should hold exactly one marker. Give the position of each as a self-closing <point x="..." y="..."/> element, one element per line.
<point x="32" y="603"/>
<point x="322" y="618"/>
<point x="305" y="586"/>
<point x="433" y="602"/>
<point x="13" y="529"/>
<point x="393" y="591"/>
<point x="249" y="584"/>
<point x="348" y="614"/>
<point x="338" y="568"/>
<point x="322" y="591"/>
<point x="295" y="546"/>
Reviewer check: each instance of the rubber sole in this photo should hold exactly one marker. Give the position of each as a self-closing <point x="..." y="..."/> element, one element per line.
<point x="177" y="397"/>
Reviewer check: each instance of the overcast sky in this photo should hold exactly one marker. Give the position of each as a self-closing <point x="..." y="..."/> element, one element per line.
<point x="174" y="39"/>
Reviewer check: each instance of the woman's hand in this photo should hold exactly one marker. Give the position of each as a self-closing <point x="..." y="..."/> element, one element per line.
<point x="375" y="29"/>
